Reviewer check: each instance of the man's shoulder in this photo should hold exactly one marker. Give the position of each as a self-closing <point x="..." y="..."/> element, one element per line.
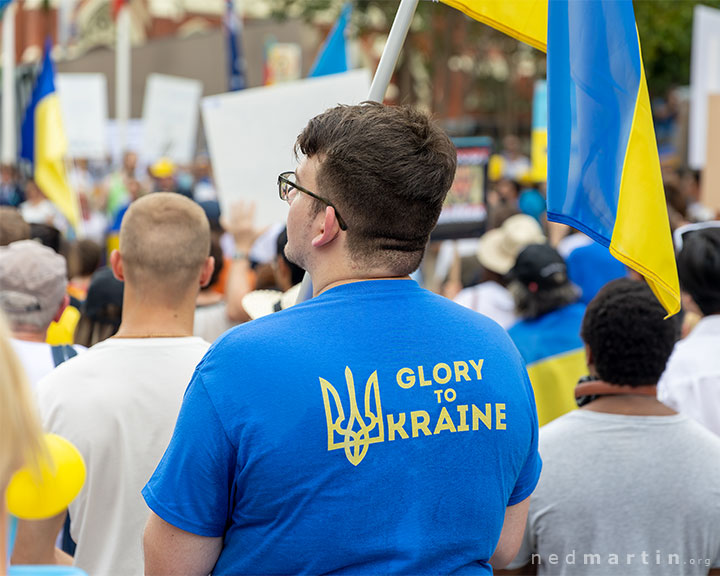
<point x="115" y="358"/>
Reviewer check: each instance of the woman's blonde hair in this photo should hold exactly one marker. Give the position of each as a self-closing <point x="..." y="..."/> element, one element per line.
<point x="20" y="430"/>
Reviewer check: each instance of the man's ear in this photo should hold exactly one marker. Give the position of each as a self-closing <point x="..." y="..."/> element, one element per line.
<point x="116" y="264"/>
<point x="64" y="304"/>
<point x="207" y="271"/>
<point x="330" y="229"/>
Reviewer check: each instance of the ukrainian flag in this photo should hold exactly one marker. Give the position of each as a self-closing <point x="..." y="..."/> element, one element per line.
<point x="603" y="167"/>
<point x="44" y="144"/>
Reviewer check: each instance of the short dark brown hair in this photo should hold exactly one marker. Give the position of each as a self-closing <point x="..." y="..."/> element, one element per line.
<point x="388" y="170"/>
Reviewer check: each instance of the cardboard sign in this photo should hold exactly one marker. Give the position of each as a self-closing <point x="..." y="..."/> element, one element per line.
<point x="704" y="79"/>
<point x="170" y="117"/>
<point x="84" y="105"/>
<point x="710" y="191"/>
<point x="251" y="134"/>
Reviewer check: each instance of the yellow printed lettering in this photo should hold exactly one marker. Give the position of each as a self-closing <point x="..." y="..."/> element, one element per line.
<point x="421" y="377"/>
<point x="461" y="369"/>
<point x="408" y="382"/>
<point x="444" y="422"/>
<point x="485" y="417"/>
<point x="396" y="427"/>
<point x="436" y="373"/>
<point x="462" y="410"/>
<point x="438" y="394"/>
<point x="478" y="367"/>
<point x="500" y="417"/>
<point x="420" y="420"/>
<point x="450" y="395"/>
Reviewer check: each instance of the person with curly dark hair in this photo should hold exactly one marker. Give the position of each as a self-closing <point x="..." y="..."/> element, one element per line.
<point x="629" y="486"/>
<point x="691" y="383"/>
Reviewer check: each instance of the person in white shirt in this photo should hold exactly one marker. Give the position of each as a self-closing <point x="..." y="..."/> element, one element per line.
<point x="691" y="382"/>
<point x="118" y="402"/>
<point x="497" y="251"/>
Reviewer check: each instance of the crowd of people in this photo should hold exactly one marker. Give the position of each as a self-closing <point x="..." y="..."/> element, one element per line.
<point x="535" y="411"/>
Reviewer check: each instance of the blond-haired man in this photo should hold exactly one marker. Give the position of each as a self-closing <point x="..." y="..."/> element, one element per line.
<point x="119" y="402"/>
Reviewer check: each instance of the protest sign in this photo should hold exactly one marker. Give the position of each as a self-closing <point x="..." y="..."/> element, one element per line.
<point x="464" y="213"/>
<point x="170" y="116"/>
<point x="704" y="79"/>
<point x="84" y="107"/>
<point x="251" y="134"/>
<point x="710" y="191"/>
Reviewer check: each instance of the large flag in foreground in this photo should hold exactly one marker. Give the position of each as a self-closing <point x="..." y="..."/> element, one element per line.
<point x="603" y="167"/>
<point x="44" y="144"/>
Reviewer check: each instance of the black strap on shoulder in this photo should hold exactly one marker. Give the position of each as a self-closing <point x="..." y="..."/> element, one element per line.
<point x="62" y="353"/>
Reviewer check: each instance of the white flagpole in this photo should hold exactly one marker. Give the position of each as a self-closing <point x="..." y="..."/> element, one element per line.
<point x="9" y="124"/>
<point x="391" y="52"/>
<point x="380" y="83"/>
<point x="122" y="74"/>
<point x="65" y="10"/>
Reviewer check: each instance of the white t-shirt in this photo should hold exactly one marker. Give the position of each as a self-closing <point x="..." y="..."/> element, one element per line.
<point x="44" y="212"/>
<point x="36" y="358"/>
<point x="691" y="382"/>
<point x="118" y="403"/>
<point x="211" y="321"/>
<point x="490" y="299"/>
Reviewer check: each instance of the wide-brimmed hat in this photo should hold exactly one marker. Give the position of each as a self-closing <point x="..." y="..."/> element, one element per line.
<point x="498" y="249"/>
<point x="259" y="303"/>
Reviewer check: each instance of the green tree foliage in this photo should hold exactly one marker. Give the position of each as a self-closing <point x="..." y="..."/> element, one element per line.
<point x="665" y="28"/>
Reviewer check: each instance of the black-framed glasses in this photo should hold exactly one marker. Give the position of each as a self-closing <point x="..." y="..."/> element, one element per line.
<point x="286" y="182"/>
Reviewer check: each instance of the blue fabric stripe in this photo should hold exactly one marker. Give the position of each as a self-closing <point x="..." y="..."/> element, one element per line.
<point x="44" y="86"/>
<point x="593" y="79"/>
<point x="333" y="57"/>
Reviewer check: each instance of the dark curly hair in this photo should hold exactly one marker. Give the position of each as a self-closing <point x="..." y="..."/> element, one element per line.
<point x="699" y="268"/>
<point x="627" y="335"/>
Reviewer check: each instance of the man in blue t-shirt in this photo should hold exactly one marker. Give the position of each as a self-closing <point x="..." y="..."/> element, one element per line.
<point x="375" y="428"/>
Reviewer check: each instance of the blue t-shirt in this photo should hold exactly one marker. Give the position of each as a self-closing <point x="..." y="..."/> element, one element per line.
<point x="591" y="267"/>
<point x="375" y="428"/>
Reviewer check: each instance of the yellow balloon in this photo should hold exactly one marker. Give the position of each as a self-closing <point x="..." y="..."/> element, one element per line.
<point x="33" y="496"/>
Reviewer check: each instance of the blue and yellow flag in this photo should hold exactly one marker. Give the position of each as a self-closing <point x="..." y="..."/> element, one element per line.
<point x="603" y="167"/>
<point x="44" y="144"/>
<point x="333" y="55"/>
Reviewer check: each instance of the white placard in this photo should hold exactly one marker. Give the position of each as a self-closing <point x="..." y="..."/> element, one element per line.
<point x="251" y="134"/>
<point x="170" y="116"/>
<point x="704" y="78"/>
<point x="133" y="135"/>
<point x="84" y="106"/>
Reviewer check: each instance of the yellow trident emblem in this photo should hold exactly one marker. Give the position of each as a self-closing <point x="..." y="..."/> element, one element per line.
<point x="356" y="434"/>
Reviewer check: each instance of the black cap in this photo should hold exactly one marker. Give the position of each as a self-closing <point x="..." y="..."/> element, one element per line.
<point x="104" y="290"/>
<point x="539" y="266"/>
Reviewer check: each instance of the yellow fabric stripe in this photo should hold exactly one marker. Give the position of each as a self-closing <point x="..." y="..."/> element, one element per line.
<point x="525" y="20"/>
<point x="641" y="237"/>
<point x="50" y="148"/>
<point x="553" y="380"/>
